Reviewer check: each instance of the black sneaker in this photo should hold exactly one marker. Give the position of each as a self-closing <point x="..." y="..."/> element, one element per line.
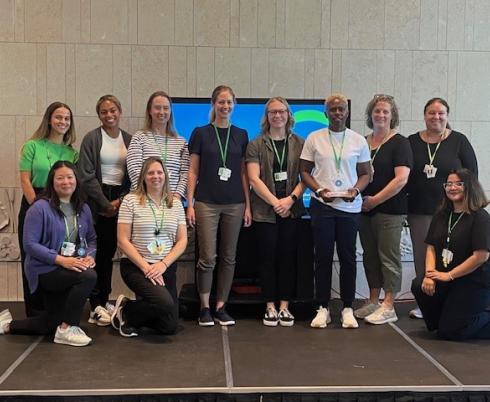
<point x="205" y="318"/>
<point x="117" y="319"/>
<point x="286" y="319"/>
<point x="223" y="317"/>
<point x="270" y="318"/>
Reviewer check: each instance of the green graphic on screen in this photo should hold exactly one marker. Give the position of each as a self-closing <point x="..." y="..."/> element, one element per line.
<point x="310" y="116"/>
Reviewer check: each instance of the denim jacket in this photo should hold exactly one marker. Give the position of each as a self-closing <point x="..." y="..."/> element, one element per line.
<point x="260" y="151"/>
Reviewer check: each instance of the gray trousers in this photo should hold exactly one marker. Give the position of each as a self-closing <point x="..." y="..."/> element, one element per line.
<point x="380" y="238"/>
<point x="229" y="217"/>
<point x="419" y="226"/>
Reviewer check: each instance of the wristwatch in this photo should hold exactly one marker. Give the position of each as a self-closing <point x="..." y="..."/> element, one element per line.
<point x="294" y="197"/>
<point x="318" y="191"/>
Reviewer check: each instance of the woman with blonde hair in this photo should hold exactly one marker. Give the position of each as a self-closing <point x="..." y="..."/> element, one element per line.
<point x="51" y="142"/>
<point x="152" y="234"/>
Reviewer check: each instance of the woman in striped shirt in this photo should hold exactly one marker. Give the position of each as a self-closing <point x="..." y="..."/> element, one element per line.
<point x="152" y="234"/>
<point x="159" y="138"/>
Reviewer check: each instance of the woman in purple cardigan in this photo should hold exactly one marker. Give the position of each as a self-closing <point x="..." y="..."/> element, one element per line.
<point x="60" y="242"/>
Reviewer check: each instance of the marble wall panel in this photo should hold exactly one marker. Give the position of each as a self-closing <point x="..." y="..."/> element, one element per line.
<point x="259" y="73"/>
<point x="402" y="24"/>
<point x="385" y="72"/>
<point x="85" y="21"/>
<point x="149" y="74"/>
<point x="442" y="25"/>
<point x="133" y="22"/>
<point x="287" y="73"/>
<point x="41" y="72"/>
<point x="409" y="127"/>
<point x="481" y="144"/>
<point x="366" y="28"/>
<point x="456" y="24"/>
<point x="205" y="71"/>
<point x="72" y="27"/>
<point x="191" y="71"/>
<point x="177" y="60"/>
<point x="473" y="87"/>
<point x="44" y="20"/>
<point x="18" y="78"/>
<point x="93" y="79"/>
<point x="248" y="22"/>
<point x="469" y="25"/>
<point x="70" y="77"/>
<point x="325" y="24"/>
<point x="303" y="23"/>
<point x="232" y="68"/>
<point x="184" y="22"/>
<point x="309" y="73"/>
<point x="109" y="21"/>
<point x="55" y="74"/>
<point x="280" y="23"/>
<point x="121" y="76"/>
<point x="339" y="20"/>
<point x="8" y="154"/>
<point x="212" y="23"/>
<point x="266" y="23"/>
<point x="156" y="22"/>
<point x="430" y="73"/>
<point x="403" y="83"/>
<point x="481" y="13"/>
<point x="429" y="12"/>
<point x="323" y="73"/>
<point x="234" y="23"/>
<point x="84" y="124"/>
<point x="7" y="20"/>
<point x="19" y="20"/>
<point x="358" y="84"/>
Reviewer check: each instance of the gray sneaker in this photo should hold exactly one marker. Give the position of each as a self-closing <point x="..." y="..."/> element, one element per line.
<point x="73" y="336"/>
<point x="382" y="315"/>
<point x="365" y="310"/>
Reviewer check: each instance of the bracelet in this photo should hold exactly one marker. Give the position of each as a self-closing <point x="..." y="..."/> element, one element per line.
<point x="319" y="190"/>
<point x="164" y="263"/>
<point x="450" y="276"/>
<point x="358" y="191"/>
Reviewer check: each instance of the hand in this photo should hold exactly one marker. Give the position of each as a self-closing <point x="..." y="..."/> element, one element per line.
<point x="283" y="206"/>
<point x="112" y="209"/>
<point x="159" y="281"/>
<point x="72" y="263"/>
<point x="191" y="216"/>
<point x="247" y="217"/>
<point x="324" y="197"/>
<point x="368" y="203"/>
<point x="428" y="286"/>
<point x="438" y="276"/>
<point x="177" y="196"/>
<point x="352" y="195"/>
<point x="155" y="270"/>
<point x="89" y="260"/>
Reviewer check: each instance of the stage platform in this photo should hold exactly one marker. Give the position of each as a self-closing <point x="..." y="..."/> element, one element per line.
<point x="248" y="362"/>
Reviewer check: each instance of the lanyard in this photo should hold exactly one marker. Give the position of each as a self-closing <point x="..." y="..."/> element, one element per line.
<point x="451" y="226"/>
<point x="433" y="155"/>
<point x="379" y="147"/>
<point x="338" y="158"/>
<point x="157" y="227"/>
<point x="223" y="152"/>
<point x="280" y="159"/>
<point x="69" y="233"/>
<point x="163" y="153"/>
<point x="48" y="155"/>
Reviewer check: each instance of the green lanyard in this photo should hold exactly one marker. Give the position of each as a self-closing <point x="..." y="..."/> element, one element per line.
<point x="338" y="157"/>
<point x="69" y="233"/>
<point x="157" y="227"/>
<point x="223" y="152"/>
<point x="280" y="159"/>
<point x="450" y="226"/>
<point x="48" y="155"/>
<point x="433" y="155"/>
<point x="163" y="153"/>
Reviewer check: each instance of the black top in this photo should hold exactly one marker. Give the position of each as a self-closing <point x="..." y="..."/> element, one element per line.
<point x="471" y="233"/>
<point x="394" y="152"/>
<point x="210" y="188"/>
<point x="276" y="168"/>
<point x="455" y="152"/>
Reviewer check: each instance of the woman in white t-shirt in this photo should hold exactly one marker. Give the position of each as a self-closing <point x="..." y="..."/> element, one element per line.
<point x="152" y="234"/>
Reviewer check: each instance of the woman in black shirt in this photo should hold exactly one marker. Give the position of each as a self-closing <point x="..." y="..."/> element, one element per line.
<point x="455" y="293"/>
<point x="437" y="151"/>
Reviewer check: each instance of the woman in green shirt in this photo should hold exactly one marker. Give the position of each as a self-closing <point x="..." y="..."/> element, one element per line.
<point x="51" y="142"/>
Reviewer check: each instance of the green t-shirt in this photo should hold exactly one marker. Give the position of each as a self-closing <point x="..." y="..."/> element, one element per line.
<point x="38" y="156"/>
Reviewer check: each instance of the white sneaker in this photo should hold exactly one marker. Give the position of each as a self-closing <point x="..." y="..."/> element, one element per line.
<point x="270" y="318"/>
<point x="110" y="308"/>
<point x="348" y="319"/>
<point x="73" y="336"/>
<point x="382" y="315"/>
<point x="416" y="313"/>
<point x="365" y="310"/>
<point x="5" y="319"/>
<point x="100" y="316"/>
<point x="322" y="318"/>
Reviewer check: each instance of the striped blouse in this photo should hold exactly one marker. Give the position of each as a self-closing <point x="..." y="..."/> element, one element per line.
<point x="172" y="150"/>
<point x="143" y="224"/>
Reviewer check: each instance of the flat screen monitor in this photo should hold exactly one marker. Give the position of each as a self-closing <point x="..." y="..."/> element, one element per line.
<point x="309" y="115"/>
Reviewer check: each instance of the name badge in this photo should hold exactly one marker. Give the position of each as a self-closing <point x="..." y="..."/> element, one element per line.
<point x="447" y="257"/>
<point x="68" y="249"/>
<point x="430" y="171"/>
<point x="224" y="173"/>
<point x="280" y="176"/>
<point x="156" y="247"/>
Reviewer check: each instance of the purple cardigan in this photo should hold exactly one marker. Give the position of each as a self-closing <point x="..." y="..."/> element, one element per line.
<point x="44" y="233"/>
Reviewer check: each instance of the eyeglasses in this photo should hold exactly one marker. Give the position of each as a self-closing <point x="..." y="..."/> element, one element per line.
<point x="383" y="96"/>
<point x="457" y="184"/>
<point x="279" y="112"/>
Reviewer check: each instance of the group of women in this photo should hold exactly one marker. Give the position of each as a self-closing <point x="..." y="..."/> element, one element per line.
<point x="135" y="186"/>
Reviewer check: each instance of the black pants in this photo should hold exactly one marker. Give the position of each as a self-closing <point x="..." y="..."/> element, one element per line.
<point x="332" y="228"/>
<point x="457" y="308"/>
<point x="276" y="244"/>
<point x="65" y="293"/>
<point x="106" y="229"/>
<point x="155" y="306"/>
<point x="33" y="302"/>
